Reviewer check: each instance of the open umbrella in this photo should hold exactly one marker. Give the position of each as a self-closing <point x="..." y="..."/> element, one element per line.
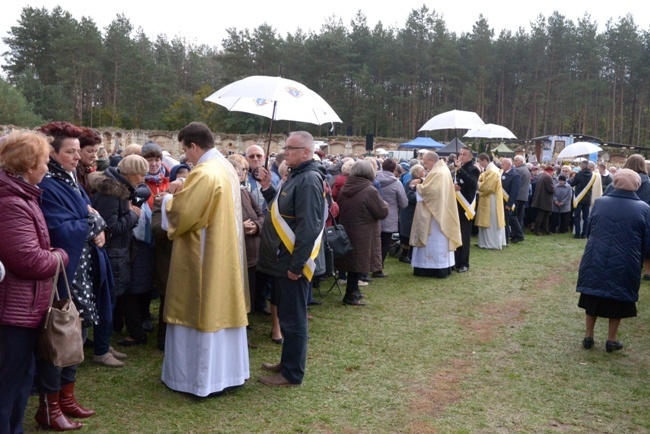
<point x="579" y="148"/>
<point x="276" y="98"/>
<point x="453" y="120"/>
<point x="490" y="131"/>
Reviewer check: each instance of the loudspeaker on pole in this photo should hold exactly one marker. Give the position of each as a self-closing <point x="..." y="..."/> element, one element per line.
<point x="370" y="142"/>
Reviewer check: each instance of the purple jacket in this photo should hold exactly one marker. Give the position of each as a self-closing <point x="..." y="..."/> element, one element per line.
<point x="25" y="252"/>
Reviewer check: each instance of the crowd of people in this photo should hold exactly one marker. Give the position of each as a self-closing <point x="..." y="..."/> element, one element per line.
<point x="217" y="238"/>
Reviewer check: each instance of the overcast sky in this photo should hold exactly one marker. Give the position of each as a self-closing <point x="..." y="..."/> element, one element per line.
<point x="205" y="22"/>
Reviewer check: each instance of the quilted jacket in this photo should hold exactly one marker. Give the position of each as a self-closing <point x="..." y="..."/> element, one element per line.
<point x="25" y="252"/>
<point x="619" y="236"/>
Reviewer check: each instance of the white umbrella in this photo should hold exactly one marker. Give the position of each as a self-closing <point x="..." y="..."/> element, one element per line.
<point x="276" y="98"/>
<point x="490" y="131"/>
<point x="453" y="120"/>
<point x="577" y="149"/>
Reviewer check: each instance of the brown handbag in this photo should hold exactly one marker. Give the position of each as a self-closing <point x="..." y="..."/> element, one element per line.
<point x="60" y="341"/>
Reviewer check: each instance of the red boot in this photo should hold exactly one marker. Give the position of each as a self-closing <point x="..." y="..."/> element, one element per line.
<point x="49" y="414"/>
<point x="69" y="404"/>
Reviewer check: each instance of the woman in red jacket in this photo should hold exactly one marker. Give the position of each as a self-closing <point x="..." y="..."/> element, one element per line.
<point x="30" y="264"/>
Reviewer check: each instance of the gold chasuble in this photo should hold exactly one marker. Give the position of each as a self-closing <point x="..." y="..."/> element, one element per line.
<point x="489" y="183"/>
<point x="439" y="202"/>
<point x="208" y="274"/>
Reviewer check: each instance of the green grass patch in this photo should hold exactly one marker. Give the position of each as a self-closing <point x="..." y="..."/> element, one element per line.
<point x="494" y="350"/>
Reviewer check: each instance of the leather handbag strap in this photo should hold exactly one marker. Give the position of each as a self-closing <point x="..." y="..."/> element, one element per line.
<point x="60" y="269"/>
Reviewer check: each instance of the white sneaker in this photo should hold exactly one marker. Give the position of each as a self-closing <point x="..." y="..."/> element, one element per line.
<point x="362" y="283"/>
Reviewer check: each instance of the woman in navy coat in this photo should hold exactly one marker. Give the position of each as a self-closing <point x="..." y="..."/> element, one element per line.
<point x="610" y="269"/>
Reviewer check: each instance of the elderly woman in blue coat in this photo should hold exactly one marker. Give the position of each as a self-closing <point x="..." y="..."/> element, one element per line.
<point x="610" y="270"/>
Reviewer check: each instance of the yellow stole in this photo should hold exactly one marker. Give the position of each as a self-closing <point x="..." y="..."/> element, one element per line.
<point x="289" y="238"/>
<point x="578" y="197"/>
<point x="470" y="208"/>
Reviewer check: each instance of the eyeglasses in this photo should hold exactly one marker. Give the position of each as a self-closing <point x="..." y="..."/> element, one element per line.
<point x="255" y="156"/>
<point x="291" y="148"/>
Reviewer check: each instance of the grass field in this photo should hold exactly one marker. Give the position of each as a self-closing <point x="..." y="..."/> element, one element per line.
<point x="494" y="350"/>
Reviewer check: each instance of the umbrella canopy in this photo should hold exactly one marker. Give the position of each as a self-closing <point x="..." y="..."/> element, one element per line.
<point x="453" y="120"/>
<point x="276" y="98"/>
<point x="490" y="131"/>
<point x="578" y="148"/>
<point x="422" y="142"/>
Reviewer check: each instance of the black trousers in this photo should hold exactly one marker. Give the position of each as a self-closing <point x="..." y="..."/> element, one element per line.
<point x="462" y="252"/>
<point x="541" y="222"/>
<point x="520" y="209"/>
<point x="513" y="228"/>
<point x="386" y="241"/>
<point x="292" y="313"/>
<point x="17" y="346"/>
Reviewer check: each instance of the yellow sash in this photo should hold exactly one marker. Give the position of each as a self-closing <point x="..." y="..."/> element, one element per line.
<point x="577" y="198"/>
<point x="289" y="238"/>
<point x="470" y="208"/>
<point x="506" y="198"/>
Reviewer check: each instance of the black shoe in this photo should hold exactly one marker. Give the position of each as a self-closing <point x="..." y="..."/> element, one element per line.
<point x="462" y="269"/>
<point x="379" y="275"/>
<point x="264" y="311"/>
<point x="147" y="326"/>
<point x="516" y="240"/>
<point x="577" y="236"/>
<point x="353" y="302"/>
<point x="645" y="277"/>
<point x="613" y="346"/>
<point x="365" y="279"/>
<point x="314" y="303"/>
<point x="405" y="259"/>
<point x="278" y="341"/>
<point x="587" y="343"/>
<point x="359" y="294"/>
<point x="131" y="342"/>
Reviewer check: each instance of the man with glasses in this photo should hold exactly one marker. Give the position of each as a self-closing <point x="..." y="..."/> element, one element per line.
<point x="255" y="158"/>
<point x="291" y="238"/>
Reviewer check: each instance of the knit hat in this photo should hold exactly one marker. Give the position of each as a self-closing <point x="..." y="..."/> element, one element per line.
<point x="133" y="165"/>
<point x="626" y="179"/>
<point x="151" y="150"/>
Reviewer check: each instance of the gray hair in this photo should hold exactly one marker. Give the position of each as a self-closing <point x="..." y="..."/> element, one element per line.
<point x="363" y="169"/>
<point x="306" y="139"/>
<point x="416" y="169"/>
<point x="506" y="160"/>
<point x="520" y="159"/>
<point x="347" y="166"/>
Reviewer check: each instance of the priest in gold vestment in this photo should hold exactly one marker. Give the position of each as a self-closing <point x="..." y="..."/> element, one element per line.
<point x="206" y="348"/>
<point x="435" y="233"/>
<point x="490" y="216"/>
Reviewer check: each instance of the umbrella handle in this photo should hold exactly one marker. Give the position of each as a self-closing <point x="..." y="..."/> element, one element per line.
<point x="268" y="146"/>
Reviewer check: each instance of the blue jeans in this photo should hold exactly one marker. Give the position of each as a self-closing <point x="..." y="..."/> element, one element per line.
<point x="102" y="335"/>
<point x="584" y="209"/>
<point x="292" y="313"/>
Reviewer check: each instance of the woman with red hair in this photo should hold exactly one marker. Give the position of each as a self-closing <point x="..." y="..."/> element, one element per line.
<point x="79" y="230"/>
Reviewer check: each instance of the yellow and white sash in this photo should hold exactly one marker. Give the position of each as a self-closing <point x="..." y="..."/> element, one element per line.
<point x="578" y="197"/>
<point x="470" y="208"/>
<point x="506" y="198"/>
<point x="289" y="238"/>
